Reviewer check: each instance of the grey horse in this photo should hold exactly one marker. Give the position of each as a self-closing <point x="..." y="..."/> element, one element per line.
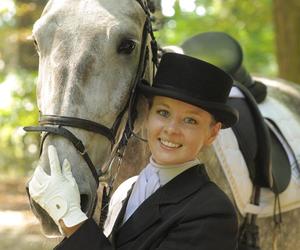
<point x="88" y="58"/>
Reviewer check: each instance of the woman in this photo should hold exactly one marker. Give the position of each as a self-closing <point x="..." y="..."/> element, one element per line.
<point x="173" y="204"/>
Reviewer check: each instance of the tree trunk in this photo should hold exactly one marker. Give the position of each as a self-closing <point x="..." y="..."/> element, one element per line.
<point x="287" y="23"/>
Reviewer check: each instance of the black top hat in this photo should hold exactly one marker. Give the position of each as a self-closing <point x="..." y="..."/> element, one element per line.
<point x="196" y="82"/>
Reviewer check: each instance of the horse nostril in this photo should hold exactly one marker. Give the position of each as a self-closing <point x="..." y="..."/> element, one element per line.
<point x="84" y="202"/>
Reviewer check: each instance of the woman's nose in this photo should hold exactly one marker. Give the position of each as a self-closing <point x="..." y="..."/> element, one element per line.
<point x="172" y="126"/>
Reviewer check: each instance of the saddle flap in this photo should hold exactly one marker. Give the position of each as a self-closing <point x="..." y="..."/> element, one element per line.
<point x="253" y="138"/>
<point x="262" y="146"/>
<point x="281" y="158"/>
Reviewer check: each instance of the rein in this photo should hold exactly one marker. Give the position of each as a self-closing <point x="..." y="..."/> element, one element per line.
<point x="55" y="124"/>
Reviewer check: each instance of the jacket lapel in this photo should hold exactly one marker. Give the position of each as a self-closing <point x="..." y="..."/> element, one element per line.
<point x="148" y="213"/>
<point x="145" y="215"/>
<point x="183" y="185"/>
<point x="119" y="219"/>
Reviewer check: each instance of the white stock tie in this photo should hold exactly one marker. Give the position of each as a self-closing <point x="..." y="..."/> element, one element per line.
<point x="146" y="184"/>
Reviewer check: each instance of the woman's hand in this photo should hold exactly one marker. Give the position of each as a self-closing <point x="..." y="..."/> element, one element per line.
<point x="58" y="193"/>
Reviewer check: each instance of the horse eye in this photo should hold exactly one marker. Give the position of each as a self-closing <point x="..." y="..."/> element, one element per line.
<point x="126" y="47"/>
<point x="36" y="45"/>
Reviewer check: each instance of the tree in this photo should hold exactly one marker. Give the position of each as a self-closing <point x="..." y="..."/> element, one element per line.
<point x="287" y="22"/>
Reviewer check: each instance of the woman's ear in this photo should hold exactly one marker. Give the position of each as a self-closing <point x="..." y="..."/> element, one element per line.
<point x="214" y="131"/>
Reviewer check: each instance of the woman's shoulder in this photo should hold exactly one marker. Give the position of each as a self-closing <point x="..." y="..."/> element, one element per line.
<point x="212" y="199"/>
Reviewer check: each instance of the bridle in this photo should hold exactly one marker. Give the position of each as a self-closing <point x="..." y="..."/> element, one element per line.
<point x="55" y="124"/>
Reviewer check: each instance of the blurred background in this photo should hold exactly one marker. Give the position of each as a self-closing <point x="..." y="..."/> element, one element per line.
<point x="268" y="31"/>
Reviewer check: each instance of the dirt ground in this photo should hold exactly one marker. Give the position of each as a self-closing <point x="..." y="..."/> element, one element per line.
<point x="19" y="229"/>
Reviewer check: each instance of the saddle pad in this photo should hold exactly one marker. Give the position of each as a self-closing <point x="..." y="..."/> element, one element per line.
<point x="236" y="172"/>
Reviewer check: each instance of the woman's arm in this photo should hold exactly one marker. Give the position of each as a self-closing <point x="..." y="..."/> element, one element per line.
<point x="87" y="236"/>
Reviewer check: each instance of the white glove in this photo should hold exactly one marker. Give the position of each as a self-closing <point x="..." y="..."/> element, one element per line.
<point x="58" y="193"/>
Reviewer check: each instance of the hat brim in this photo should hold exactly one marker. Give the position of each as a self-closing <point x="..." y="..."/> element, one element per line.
<point x="223" y="113"/>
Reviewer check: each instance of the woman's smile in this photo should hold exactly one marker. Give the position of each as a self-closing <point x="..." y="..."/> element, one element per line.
<point x="169" y="144"/>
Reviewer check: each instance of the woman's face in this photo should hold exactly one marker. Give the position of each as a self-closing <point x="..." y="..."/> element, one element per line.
<point x="177" y="131"/>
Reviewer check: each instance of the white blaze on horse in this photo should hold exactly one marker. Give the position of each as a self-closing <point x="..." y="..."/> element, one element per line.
<point x="91" y="55"/>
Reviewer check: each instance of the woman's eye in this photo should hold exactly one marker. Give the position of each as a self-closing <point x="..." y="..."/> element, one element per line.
<point x="163" y="113"/>
<point x="190" y="120"/>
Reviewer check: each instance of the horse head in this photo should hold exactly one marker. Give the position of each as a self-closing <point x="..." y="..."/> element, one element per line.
<point x="91" y="54"/>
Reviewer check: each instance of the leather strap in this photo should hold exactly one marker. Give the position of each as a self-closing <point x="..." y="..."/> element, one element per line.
<point x="72" y="138"/>
<point x="77" y="123"/>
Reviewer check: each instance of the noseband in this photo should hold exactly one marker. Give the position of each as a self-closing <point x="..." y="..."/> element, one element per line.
<point x="55" y="124"/>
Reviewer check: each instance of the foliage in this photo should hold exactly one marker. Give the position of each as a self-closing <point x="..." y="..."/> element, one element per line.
<point x="17" y="151"/>
<point x="18" y="64"/>
<point x="250" y="23"/>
